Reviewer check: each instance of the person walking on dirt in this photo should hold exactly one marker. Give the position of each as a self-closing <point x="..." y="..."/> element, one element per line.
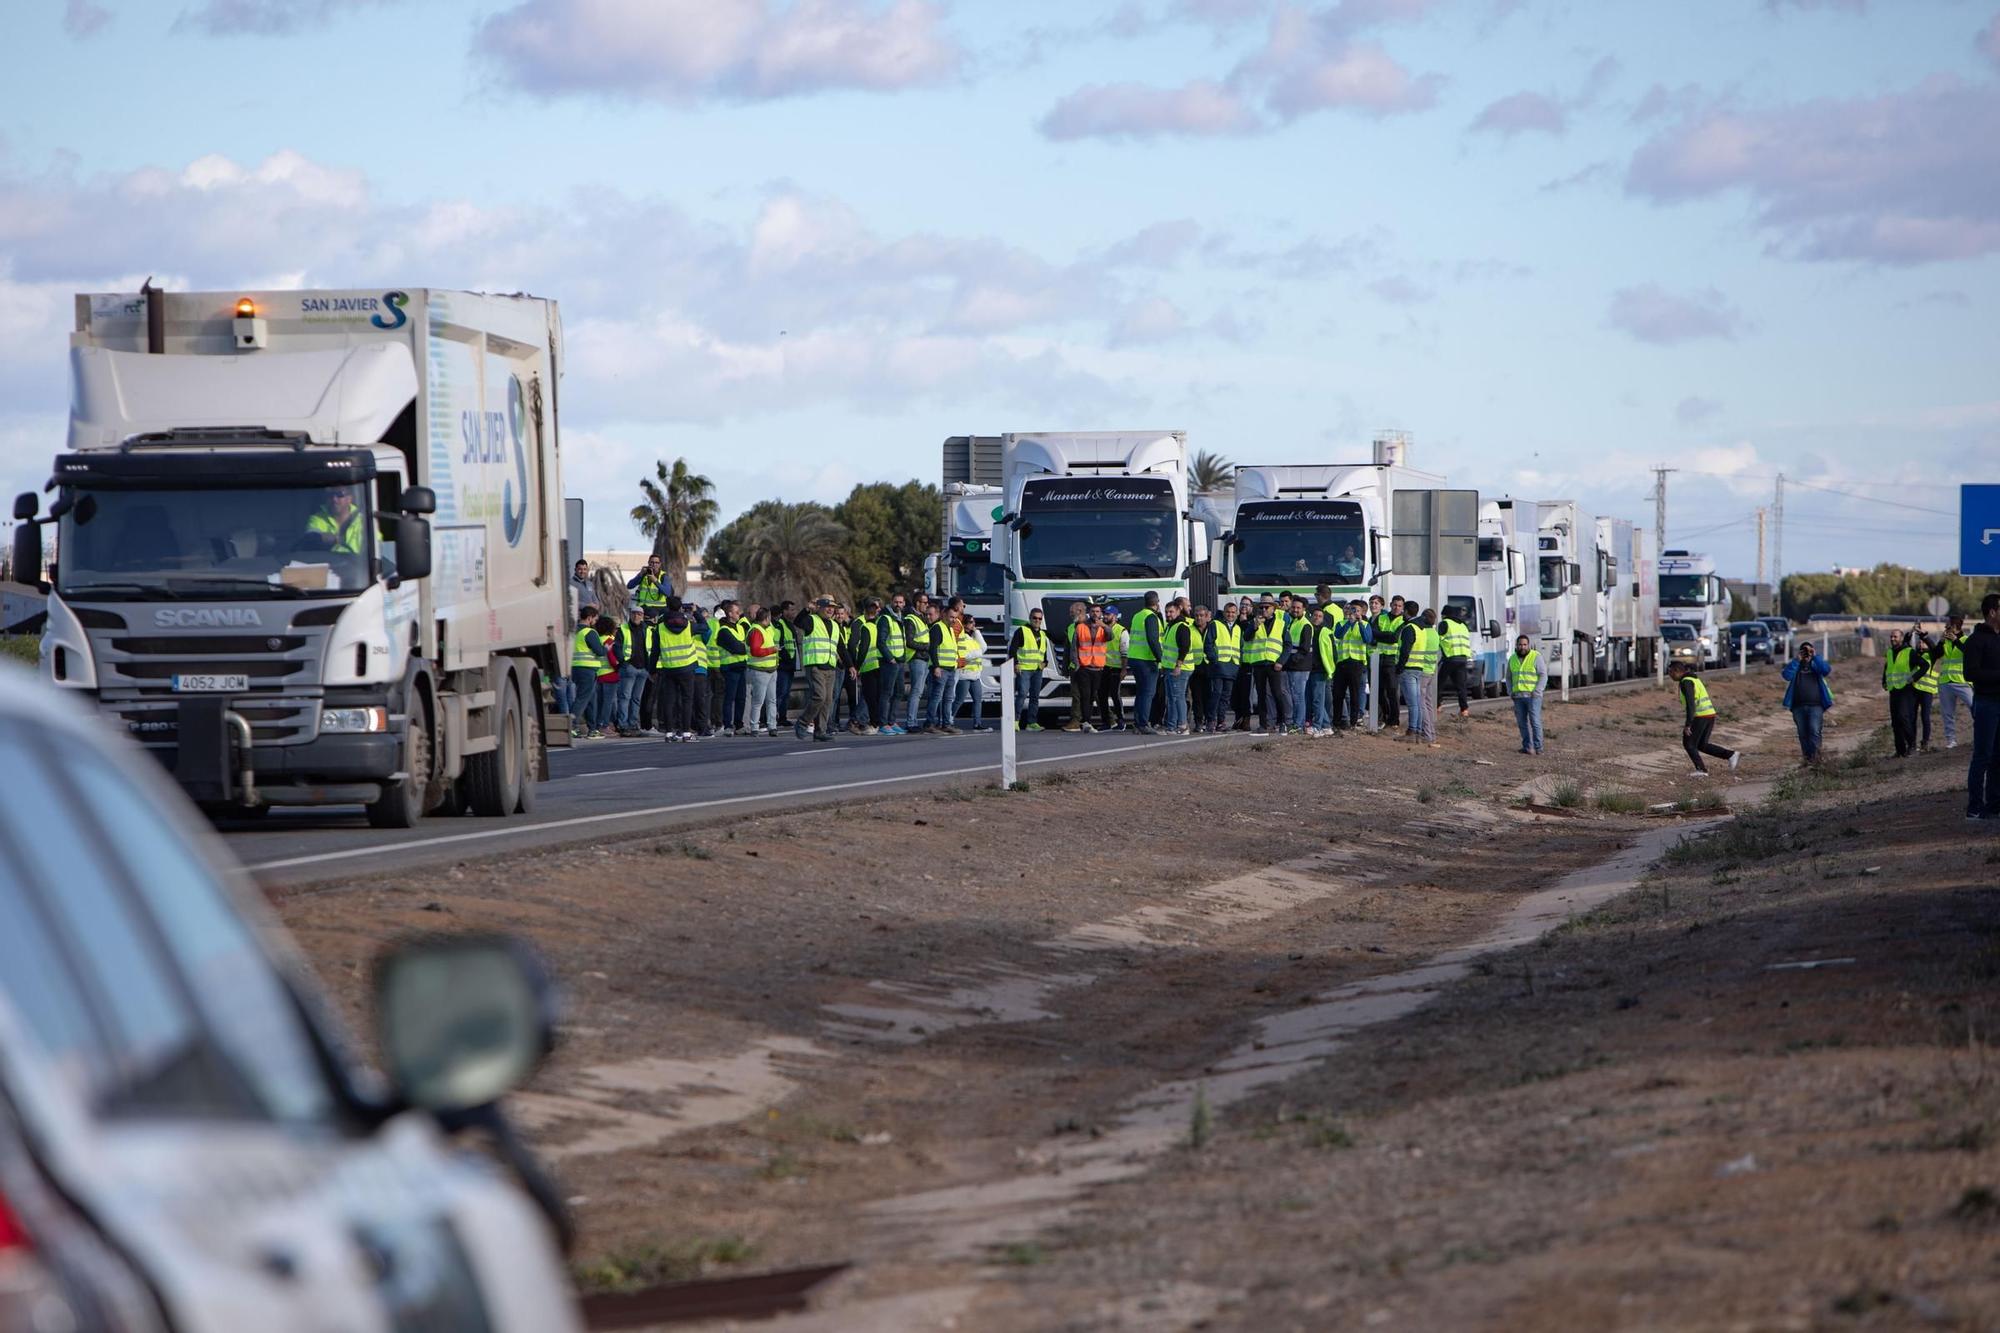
<point x="1901" y="666"/>
<point x="1982" y="672"/>
<point x="1808" y="696"/>
<point x="1698" y="723"/>
<point x="1527" y="684"/>
<point x="1948" y="669"/>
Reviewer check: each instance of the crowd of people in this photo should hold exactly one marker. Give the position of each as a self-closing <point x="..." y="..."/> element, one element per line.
<point x="913" y="663"/>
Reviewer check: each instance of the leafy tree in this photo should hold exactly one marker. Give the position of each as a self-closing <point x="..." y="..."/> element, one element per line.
<point x="795" y="554"/>
<point x="1209" y="471"/>
<point x="678" y="510"/>
<point x="723" y="557"/>
<point x="890" y="529"/>
<point x="1886" y="590"/>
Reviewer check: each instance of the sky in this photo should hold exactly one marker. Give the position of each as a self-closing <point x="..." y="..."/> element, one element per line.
<point x="799" y="242"/>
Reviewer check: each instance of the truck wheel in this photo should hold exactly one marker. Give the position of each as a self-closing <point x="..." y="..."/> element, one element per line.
<point x="534" y="763"/>
<point x="492" y="781"/>
<point x="402" y="803"/>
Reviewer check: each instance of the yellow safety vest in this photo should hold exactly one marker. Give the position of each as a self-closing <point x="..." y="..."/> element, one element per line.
<point x="916" y="630"/>
<point x="1457" y="638"/>
<point x="347" y="537"/>
<point x="1170" y="649"/>
<point x="862" y="645"/>
<point x="647" y="592"/>
<point x="580" y="654"/>
<point x="1521" y="672"/>
<point x="1137" y="648"/>
<point x="1348" y="643"/>
<point x="1266" y="643"/>
<point x="1197" y="645"/>
<point x="971" y="651"/>
<point x="1034" y="649"/>
<point x="1950" y="669"/>
<point x="1228" y="643"/>
<point x="625" y="653"/>
<point x="1326" y="647"/>
<point x="817" y="648"/>
<point x="770" y="633"/>
<point x="1388" y="629"/>
<point x="1114" y="647"/>
<point x="1896" y="672"/>
<point x="1424" y="652"/>
<point x="1703" y="705"/>
<point x="678" y="648"/>
<point x="711" y="654"/>
<point x="893" y="644"/>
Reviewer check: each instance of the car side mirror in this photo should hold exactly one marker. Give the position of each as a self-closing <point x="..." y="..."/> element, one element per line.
<point x="413" y="547"/>
<point x="417" y="500"/>
<point x="462" y="1020"/>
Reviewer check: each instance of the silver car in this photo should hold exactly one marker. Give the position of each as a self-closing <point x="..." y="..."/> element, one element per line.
<point x="185" y="1140"/>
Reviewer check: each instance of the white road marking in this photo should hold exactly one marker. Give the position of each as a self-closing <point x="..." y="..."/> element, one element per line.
<point x="584" y="821"/>
<point x="609" y="773"/>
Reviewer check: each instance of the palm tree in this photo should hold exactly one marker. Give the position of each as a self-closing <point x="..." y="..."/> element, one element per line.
<point x="1210" y="472"/>
<point x="795" y="555"/>
<point x="676" y="517"/>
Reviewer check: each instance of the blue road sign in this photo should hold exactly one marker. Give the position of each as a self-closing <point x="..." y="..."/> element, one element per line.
<point x="1979" y="530"/>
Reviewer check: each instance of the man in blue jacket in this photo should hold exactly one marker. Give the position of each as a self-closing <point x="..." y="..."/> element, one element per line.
<point x="1808" y="696"/>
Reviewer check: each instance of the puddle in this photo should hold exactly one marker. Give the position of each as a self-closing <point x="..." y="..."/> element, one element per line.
<point x="638" y="1103"/>
<point x="965" y="1221"/>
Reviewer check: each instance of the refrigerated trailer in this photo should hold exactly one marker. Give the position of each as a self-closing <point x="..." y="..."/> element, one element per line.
<point x="309" y="543"/>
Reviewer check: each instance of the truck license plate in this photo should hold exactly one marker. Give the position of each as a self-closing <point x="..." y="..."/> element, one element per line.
<point x="209" y="684"/>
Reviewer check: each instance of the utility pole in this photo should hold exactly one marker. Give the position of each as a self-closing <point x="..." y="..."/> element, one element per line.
<point x="1660" y="507"/>
<point x="1761" y="511"/>
<point x="1778" y="549"/>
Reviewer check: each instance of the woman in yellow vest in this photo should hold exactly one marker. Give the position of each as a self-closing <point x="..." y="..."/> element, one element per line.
<point x="1699" y="721"/>
<point x="971" y="672"/>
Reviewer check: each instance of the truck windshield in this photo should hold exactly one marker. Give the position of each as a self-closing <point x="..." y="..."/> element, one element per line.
<point x="1552" y="576"/>
<point x="978" y="579"/>
<point x="252" y="541"/>
<point x="1099" y="528"/>
<point x="1299" y="543"/>
<point x="1684" y="590"/>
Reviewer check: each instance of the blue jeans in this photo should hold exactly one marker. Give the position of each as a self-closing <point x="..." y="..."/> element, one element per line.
<point x="733" y="689"/>
<point x="631" y="689"/>
<point x="1146" y="683"/>
<point x="885" y="693"/>
<point x="783" y="693"/>
<point x="1982" y="777"/>
<point x="920" y="688"/>
<point x="1177" y="688"/>
<point x="1318" y="690"/>
<point x="1219" y="688"/>
<point x="1419" y="705"/>
<point x="583" y="698"/>
<point x="565" y="689"/>
<point x="1808" y="718"/>
<point x="972" y="695"/>
<point x="939" y="695"/>
<point x="1027" y="697"/>
<point x="1295" y="698"/>
<point x="1528" y="717"/>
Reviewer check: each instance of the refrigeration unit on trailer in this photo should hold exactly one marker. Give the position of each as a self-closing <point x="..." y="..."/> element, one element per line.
<point x="309" y="543"/>
<point x="1690" y="593"/>
<point x="1097" y="516"/>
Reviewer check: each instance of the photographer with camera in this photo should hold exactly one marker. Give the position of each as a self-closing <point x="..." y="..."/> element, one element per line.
<point x="1808" y="696"/>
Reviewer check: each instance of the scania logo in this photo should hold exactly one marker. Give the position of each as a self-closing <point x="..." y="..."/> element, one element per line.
<point x="181" y="617"/>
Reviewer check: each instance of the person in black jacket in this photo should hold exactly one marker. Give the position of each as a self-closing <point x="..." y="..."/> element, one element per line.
<point x="1982" y="672"/>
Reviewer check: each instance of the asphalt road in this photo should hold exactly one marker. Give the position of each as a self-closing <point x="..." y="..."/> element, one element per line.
<point x="622" y="787"/>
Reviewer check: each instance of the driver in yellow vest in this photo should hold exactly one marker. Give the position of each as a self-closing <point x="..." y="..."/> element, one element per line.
<point x="336" y="526"/>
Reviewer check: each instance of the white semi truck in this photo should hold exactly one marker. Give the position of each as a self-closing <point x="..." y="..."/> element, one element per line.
<point x="1094" y="516"/>
<point x="309" y="543"/>
<point x="1507" y="596"/>
<point x="1690" y="593"/>
<point x="965" y="568"/>
<point x="1589" y="577"/>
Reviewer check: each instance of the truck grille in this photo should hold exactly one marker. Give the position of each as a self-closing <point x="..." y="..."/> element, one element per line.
<point x="277" y="722"/>
<point x="135" y="680"/>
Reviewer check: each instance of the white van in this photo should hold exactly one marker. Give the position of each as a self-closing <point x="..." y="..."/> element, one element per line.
<point x="186" y="1143"/>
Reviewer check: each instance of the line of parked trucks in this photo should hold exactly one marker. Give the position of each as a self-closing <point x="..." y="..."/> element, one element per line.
<point x="1044" y="519"/>
<point x="311" y="545"/>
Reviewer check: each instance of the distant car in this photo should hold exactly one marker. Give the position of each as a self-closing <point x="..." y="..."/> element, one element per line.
<point x="185" y="1143"/>
<point x="1754" y="637"/>
<point x="1781" y="634"/>
<point x="1683" y="644"/>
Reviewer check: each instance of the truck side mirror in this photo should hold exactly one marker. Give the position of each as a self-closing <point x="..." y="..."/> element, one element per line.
<point x="418" y="500"/>
<point x="1492" y="629"/>
<point x="26" y="505"/>
<point x="413" y="547"/>
<point x="28" y="550"/>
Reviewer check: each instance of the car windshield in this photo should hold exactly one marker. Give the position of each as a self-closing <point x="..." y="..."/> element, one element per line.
<point x="1683" y="590"/>
<point x="1099" y="528"/>
<point x="1299" y="543"/>
<point x="227" y="541"/>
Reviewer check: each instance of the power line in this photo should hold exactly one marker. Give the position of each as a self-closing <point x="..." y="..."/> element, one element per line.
<point x="1830" y="490"/>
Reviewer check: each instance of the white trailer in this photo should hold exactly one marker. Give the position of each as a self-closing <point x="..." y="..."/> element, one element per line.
<point x="1507" y="600"/>
<point x="309" y="543"/>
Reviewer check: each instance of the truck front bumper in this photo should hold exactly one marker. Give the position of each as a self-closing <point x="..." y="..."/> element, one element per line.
<point x="208" y="758"/>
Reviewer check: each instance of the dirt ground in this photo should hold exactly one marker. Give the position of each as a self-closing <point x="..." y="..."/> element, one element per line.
<point x="970" y="1040"/>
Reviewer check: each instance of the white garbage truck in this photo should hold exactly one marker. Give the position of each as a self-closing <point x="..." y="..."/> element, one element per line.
<point x="308" y="543"/>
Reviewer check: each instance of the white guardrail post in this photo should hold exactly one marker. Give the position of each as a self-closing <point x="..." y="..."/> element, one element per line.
<point x="1743" y="656"/>
<point x="1008" y="736"/>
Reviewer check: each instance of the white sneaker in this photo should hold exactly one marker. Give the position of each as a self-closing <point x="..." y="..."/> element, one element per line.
<point x="1088" y="727"/>
<point x="1699" y="773"/>
<point x="1735" y="759"/>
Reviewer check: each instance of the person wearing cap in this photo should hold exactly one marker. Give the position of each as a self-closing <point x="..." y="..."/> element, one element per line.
<point x="1111" y="685"/>
<point x="819" y="658"/>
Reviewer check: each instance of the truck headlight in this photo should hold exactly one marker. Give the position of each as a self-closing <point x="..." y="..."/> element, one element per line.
<point x="354" y="719"/>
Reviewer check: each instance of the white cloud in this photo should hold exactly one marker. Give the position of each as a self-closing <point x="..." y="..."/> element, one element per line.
<point x="83" y="18"/>
<point x="267" y="18"/>
<point x="687" y="51"/>
<point x="1652" y="314"/>
<point x="1522" y="113"/>
<point x="1136" y="111"/>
